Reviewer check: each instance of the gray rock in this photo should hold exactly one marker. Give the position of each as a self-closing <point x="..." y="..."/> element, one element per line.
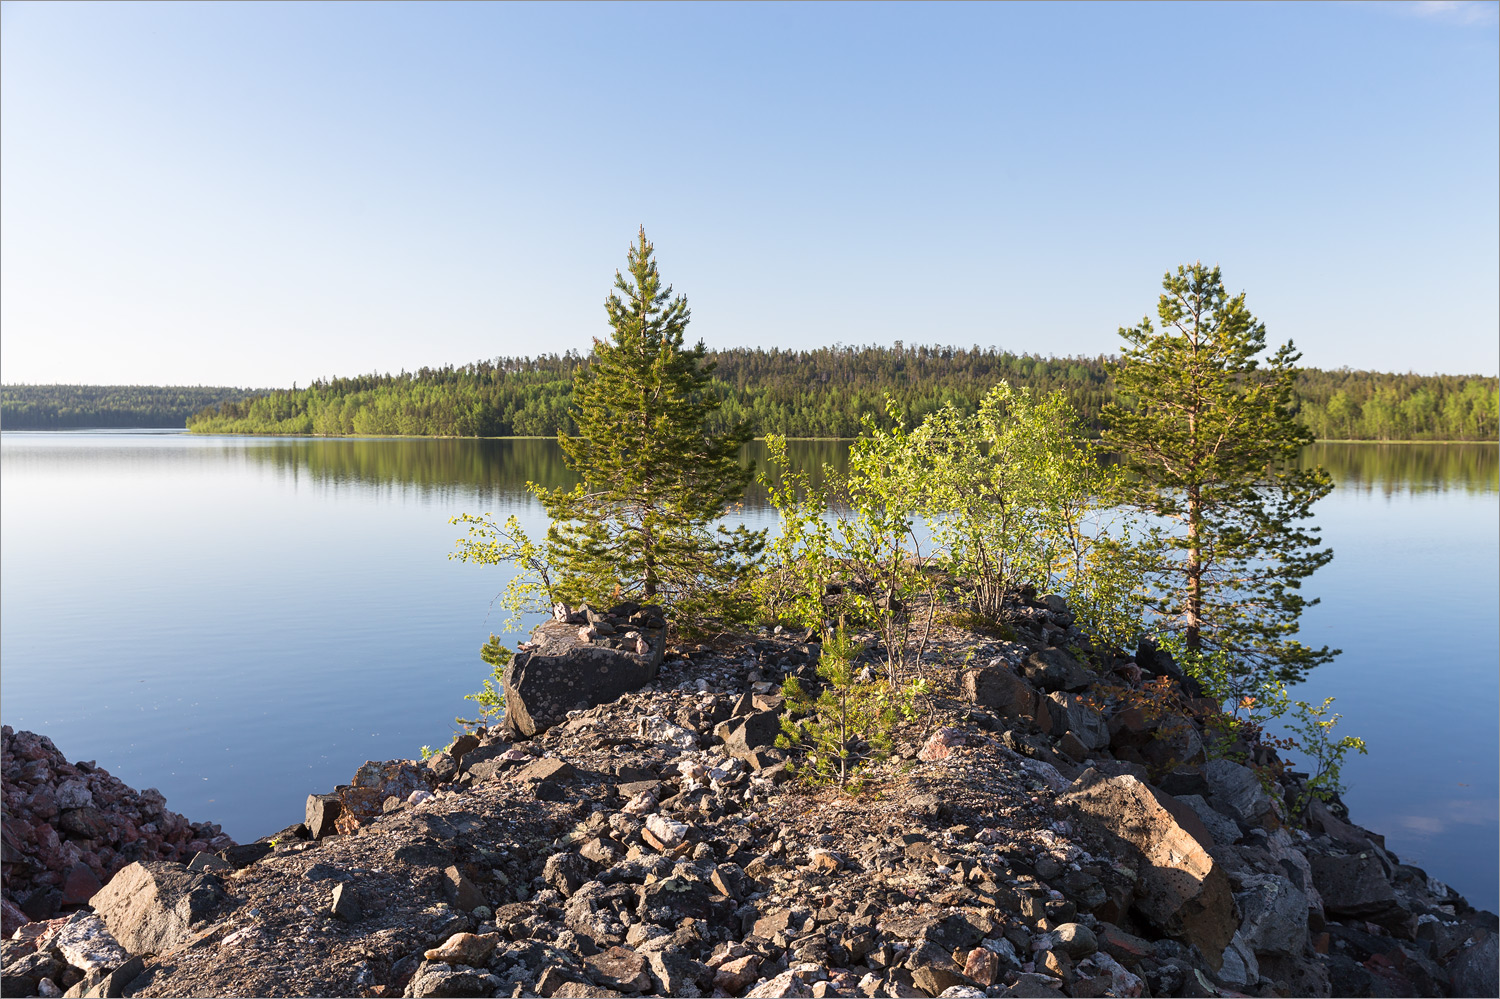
<point x="1054" y="669"/>
<point x="86" y="944"/>
<point x="441" y="981"/>
<point x="1236" y="791"/>
<point x="322" y="812"/>
<point x="543" y="685"/>
<point x="998" y="688"/>
<point x="1273" y="915"/>
<point x="565" y="871"/>
<point x="73" y="793"/>
<point x="1224" y="830"/>
<point x="209" y="862"/>
<point x="442" y="766"/>
<point x="1071" y="712"/>
<point x="1353" y="886"/>
<point x="151" y="907"/>
<point x="745" y="734"/>
<point x="346" y="904"/>
<point x="1238" y="965"/>
<point x="680" y="975"/>
<point x="461" y="891"/>
<point x="1076" y="940"/>
<point x="116" y="982"/>
<point x="245" y="854"/>
<point x="1473" y="972"/>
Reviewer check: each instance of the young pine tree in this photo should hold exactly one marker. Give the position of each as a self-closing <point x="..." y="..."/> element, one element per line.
<point x="1210" y="435"/>
<point x="641" y="523"/>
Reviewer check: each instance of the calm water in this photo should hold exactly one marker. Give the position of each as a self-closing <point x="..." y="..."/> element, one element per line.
<point x="239" y="622"/>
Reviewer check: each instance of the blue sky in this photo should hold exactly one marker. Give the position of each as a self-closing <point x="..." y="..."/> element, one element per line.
<point x="262" y="194"/>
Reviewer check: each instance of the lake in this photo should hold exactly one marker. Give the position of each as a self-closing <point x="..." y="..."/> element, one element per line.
<point x="242" y="621"/>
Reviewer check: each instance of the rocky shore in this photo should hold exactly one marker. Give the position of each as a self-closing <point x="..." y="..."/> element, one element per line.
<point x="634" y="832"/>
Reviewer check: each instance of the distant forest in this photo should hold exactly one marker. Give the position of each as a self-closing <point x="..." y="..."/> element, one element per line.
<point x="66" y="407"/>
<point x="825" y="392"/>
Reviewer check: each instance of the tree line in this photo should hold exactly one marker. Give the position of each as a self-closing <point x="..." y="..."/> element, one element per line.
<point x="67" y="407"/>
<point x="826" y="392"/>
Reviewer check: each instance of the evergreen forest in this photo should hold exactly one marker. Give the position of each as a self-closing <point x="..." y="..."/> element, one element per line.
<point x="69" y="407"/>
<point x="824" y="392"/>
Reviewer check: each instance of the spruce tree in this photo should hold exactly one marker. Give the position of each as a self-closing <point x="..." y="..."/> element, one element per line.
<point x="640" y="524"/>
<point x="1210" y="435"/>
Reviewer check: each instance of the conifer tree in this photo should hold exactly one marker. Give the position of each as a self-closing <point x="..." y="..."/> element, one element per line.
<point x="641" y="523"/>
<point x="1211" y="436"/>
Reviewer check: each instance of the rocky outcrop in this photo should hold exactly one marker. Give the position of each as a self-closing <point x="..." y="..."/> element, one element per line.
<point x="583" y="659"/>
<point x="649" y="846"/>
<point x="69" y="827"/>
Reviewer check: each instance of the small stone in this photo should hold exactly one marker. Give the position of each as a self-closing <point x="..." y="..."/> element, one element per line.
<point x="88" y="946"/>
<point x="983" y="965"/>
<point x="825" y="862"/>
<point x="1076" y="940"/>
<point x="619" y="968"/>
<point x="346" y="904"/>
<point x="461" y="891"/>
<point x="735" y="975"/>
<point x="472" y="949"/>
<point x="941" y="745"/>
<point x="668" y="833"/>
<point x="732" y="881"/>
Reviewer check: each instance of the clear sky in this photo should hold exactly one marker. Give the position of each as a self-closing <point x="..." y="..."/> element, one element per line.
<point x="260" y="194"/>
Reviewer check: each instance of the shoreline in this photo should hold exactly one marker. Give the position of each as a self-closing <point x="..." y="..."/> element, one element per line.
<point x="1011" y="785"/>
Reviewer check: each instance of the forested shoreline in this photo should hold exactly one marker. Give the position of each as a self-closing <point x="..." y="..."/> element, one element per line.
<point x="826" y="392"/>
<point x="70" y="407"/>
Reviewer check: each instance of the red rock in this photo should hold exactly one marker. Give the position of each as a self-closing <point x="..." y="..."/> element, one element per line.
<point x="941" y="745"/>
<point x="11" y="918"/>
<point x="983" y="966"/>
<point x="79" y="885"/>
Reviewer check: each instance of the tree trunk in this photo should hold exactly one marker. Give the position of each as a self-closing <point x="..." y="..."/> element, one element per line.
<point x="1194" y="615"/>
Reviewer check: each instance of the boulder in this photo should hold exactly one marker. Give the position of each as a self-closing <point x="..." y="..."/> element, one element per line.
<point x="1001" y="690"/>
<point x="1354" y="886"/>
<point x="561" y="673"/>
<point x="151" y="907"/>
<point x="1076" y="940"/>
<point x="745" y="734"/>
<point x="619" y="968"/>
<point x="1236" y="791"/>
<point x="1473" y="972"/>
<point x="1054" y="669"/>
<point x="1072" y="712"/>
<point x="322" y="811"/>
<point x="1181" y="890"/>
<point x="88" y="945"/>
<point x="1273" y="915"/>
<point x="680" y="975"/>
<point x="1223" y="829"/>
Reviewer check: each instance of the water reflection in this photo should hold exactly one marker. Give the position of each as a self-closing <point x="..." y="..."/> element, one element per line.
<point x="501" y="468"/>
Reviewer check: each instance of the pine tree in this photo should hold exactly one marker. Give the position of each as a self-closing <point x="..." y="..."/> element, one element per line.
<point x="1211" y="436"/>
<point x="641" y="523"/>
